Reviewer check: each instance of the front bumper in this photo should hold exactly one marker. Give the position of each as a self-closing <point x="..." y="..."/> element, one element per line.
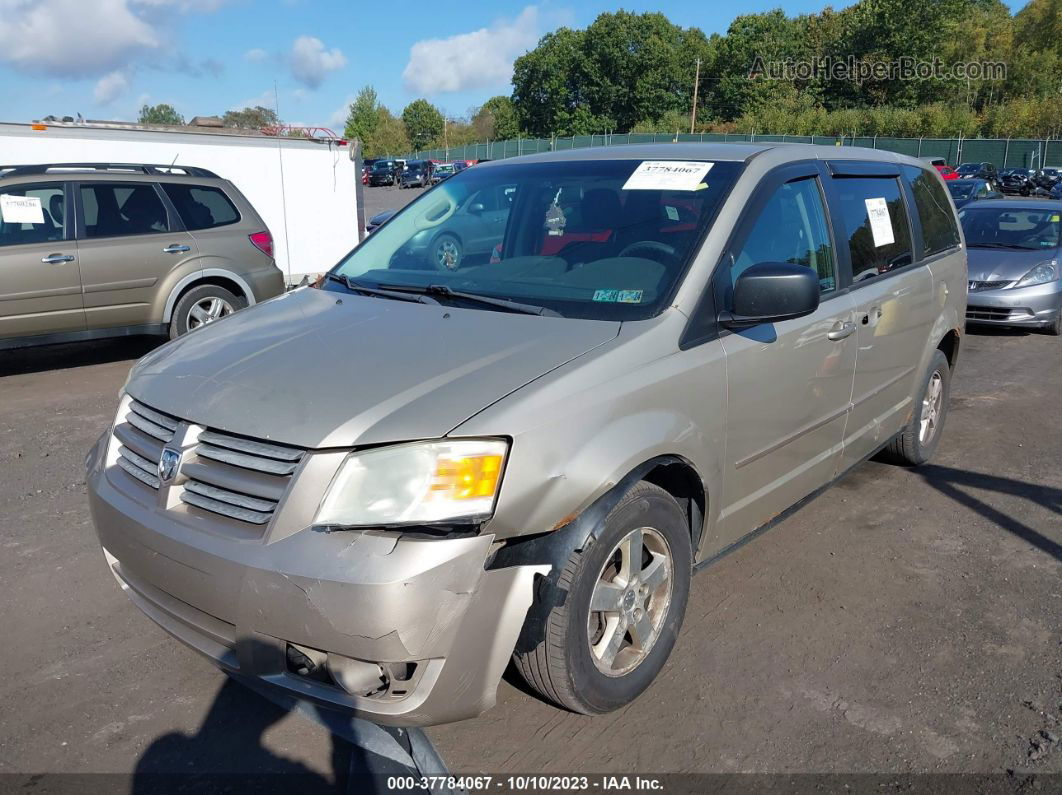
<point x="1031" y="307"/>
<point x="349" y="600"/>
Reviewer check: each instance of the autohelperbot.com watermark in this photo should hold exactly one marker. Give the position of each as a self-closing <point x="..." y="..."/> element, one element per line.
<point x="863" y="70"/>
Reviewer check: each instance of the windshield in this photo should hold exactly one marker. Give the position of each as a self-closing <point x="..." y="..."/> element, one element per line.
<point x="444" y="169"/>
<point x="381" y="166"/>
<point x="584" y="239"/>
<point x="962" y="190"/>
<point x="1051" y="172"/>
<point x="967" y="168"/>
<point x="1013" y="228"/>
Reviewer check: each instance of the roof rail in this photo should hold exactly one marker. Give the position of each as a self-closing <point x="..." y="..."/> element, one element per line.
<point x="140" y="168"/>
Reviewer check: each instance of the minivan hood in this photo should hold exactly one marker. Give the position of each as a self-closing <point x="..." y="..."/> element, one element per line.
<point x="1004" y="265"/>
<point x="316" y="368"/>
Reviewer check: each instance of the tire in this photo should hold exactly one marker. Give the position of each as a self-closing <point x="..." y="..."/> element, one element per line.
<point x="184" y="320"/>
<point x="911" y="446"/>
<point x="563" y="663"/>
<point x="1055" y="329"/>
<point x="446" y="253"/>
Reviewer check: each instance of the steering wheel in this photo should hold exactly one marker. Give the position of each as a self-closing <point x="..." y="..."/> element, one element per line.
<point x="651" y="247"/>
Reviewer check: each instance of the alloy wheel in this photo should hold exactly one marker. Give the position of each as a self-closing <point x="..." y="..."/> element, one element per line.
<point x="208" y="310"/>
<point x="630" y="602"/>
<point x="931" y="408"/>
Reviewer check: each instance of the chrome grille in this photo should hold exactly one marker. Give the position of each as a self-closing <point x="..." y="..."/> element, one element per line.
<point x="141" y="435"/>
<point x="976" y="287"/>
<point x="237" y="477"/>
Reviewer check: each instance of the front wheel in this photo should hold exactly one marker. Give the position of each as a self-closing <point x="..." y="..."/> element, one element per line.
<point x="917" y="442"/>
<point x="446" y="253"/>
<point x="624" y="596"/>
<point x="1055" y="329"/>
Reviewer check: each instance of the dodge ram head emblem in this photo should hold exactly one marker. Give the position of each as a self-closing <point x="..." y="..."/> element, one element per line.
<point x="169" y="464"/>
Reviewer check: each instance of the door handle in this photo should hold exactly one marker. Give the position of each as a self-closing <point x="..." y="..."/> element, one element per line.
<point x="55" y="259"/>
<point x="841" y="331"/>
<point x="175" y="248"/>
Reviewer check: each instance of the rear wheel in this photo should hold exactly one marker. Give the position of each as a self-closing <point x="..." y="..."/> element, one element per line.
<point x="917" y="442"/>
<point x="447" y="253"/>
<point x="625" y="595"/>
<point x="201" y="306"/>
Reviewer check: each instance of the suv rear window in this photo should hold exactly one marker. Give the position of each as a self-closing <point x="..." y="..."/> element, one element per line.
<point x="113" y="208"/>
<point x="939" y="231"/>
<point x="200" y="206"/>
<point x="875" y="223"/>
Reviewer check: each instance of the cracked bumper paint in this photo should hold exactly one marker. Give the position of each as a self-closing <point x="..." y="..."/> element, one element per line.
<point x="371" y="597"/>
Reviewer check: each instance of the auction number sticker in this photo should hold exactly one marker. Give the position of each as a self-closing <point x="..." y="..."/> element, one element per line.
<point x="880" y="222"/>
<point x="668" y="175"/>
<point x="21" y="209"/>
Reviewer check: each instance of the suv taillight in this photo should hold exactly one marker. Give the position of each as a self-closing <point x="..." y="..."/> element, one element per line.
<point x="263" y="241"/>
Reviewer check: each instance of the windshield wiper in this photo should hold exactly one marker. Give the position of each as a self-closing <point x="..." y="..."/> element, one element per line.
<point x="992" y="245"/>
<point x="443" y="291"/>
<point x="363" y="290"/>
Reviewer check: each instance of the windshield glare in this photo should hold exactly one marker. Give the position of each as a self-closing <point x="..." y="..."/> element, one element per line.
<point x="961" y="191"/>
<point x="567" y="236"/>
<point x="1014" y="228"/>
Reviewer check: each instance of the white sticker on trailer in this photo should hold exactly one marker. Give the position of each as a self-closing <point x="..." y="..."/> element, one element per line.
<point x="667" y="175"/>
<point x="21" y="209"/>
<point x="880" y="222"/>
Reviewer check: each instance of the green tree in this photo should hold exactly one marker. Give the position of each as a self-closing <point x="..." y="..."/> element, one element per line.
<point x="424" y="123"/>
<point x="160" y="114"/>
<point x="363" y="116"/>
<point x="388" y="136"/>
<point x="251" y="118"/>
<point x="496" y="119"/>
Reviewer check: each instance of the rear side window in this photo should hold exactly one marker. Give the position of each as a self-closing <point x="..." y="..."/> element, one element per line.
<point x="32" y="214"/>
<point x="939" y="231"/>
<point x="113" y="209"/>
<point x="874" y="221"/>
<point x="200" y="206"/>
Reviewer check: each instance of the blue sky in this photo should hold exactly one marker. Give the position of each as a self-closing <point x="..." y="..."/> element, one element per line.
<point x="105" y="58"/>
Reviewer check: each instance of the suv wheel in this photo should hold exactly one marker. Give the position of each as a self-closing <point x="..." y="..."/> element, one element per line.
<point x="202" y="305"/>
<point x="616" y="623"/>
<point x="917" y="442"/>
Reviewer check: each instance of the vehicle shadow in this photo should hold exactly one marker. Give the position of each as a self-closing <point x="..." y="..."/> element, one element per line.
<point x="228" y="753"/>
<point x="22" y="361"/>
<point x="998" y="331"/>
<point x="957" y="483"/>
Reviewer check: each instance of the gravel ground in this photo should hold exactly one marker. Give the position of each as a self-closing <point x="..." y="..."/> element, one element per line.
<point x="905" y="621"/>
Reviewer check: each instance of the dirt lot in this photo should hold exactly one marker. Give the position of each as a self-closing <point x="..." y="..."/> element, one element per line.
<point x="905" y="621"/>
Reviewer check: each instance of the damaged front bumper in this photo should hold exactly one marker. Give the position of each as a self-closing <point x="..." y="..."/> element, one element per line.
<point x="400" y="630"/>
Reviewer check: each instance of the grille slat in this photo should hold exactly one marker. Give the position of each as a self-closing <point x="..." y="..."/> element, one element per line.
<point x="245" y="460"/>
<point x="149" y="427"/>
<point x="225" y="509"/>
<point x="136" y="471"/>
<point x="244" y="481"/>
<point x="977" y="287"/>
<point x="157" y="417"/>
<point x="250" y="446"/>
<point x="142" y="436"/>
<point x="231" y="497"/>
<point x="139" y="442"/>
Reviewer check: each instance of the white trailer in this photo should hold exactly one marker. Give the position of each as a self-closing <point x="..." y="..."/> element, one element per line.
<point x="306" y="190"/>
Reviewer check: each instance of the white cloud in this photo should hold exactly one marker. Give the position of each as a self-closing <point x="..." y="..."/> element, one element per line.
<point x="257" y="55"/>
<point x="75" y="38"/>
<point x="481" y="58"/>
<point x="110" y="87"/>
<point x="311" y="62"/>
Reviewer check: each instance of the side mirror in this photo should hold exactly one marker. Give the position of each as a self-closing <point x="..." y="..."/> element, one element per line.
<point x="769" y="292"/>
<point x="476" y="208"/>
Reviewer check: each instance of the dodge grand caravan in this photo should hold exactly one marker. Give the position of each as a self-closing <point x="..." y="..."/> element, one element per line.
<point x="376" y="491"/>
<point x="91" y="250"/>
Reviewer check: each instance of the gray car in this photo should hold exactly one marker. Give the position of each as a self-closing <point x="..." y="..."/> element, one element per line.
<point x="375" y="492"/>
<point x="1014" y="252"/>
<point x="92" y="250"/>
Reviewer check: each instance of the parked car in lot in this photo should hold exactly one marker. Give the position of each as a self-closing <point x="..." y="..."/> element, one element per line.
<point x="526" y="458"/>
<point x="985" y="171"/>
<point x="942" y="167"/>
<point x="1048" y="177"/>
<point x="1056" y="191"/>
<point x="1014" y="253"/>
<point x="442" y="171"/>
<point x="964" y="191"/>
<point x="96" y="250"/>
<point x="378" y="220"/>
<point x="383" y="172"/>
<point x="417" y="174"/>
<point x="1017" y="181"/>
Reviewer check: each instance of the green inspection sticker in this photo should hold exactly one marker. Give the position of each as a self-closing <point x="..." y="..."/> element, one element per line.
<point x="618" y="296"/>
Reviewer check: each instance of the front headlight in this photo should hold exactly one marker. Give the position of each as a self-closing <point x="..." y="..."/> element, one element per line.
<point x="417" y="483"/>
<point x="1042" y="274"/>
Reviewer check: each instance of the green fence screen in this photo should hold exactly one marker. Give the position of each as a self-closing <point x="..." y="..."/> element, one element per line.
<point x="1003" y="152"/>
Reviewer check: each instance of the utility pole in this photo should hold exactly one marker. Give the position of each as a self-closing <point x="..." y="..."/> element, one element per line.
<point x="696" y="83"/>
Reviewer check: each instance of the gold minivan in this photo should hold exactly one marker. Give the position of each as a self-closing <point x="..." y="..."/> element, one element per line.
<point x="91" y="250"/>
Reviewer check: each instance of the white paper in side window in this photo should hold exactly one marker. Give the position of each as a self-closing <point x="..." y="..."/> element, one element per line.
<point x="667" y="175"/>
<point x="21" y="209"/>
<point x="880" y="222"/>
